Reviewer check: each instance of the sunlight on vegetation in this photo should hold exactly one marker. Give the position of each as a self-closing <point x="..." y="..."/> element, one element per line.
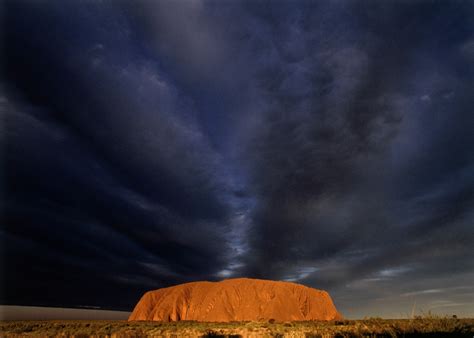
<point x="429" y="325"/>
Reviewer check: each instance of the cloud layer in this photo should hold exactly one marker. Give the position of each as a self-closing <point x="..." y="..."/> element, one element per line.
<point x="324" y="143"/>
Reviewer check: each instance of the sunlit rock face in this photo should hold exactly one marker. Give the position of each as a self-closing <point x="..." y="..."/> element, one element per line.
<point x="240" y="299"/>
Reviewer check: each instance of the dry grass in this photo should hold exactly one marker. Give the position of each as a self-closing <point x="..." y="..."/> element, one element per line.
<point x="372" y="327"/>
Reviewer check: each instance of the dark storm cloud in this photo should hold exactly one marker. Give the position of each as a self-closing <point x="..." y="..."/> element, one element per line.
<point x="365" y="143"/>
<point x="109" y="175"/>
<point x="327" y="143"/>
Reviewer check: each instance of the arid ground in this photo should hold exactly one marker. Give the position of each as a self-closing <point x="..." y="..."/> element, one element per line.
<point x="374" y="327"/>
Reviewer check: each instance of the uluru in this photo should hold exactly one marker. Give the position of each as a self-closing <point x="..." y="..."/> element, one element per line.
<point x="239" y="299"/>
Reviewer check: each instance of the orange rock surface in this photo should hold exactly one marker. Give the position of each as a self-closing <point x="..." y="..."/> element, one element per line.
<point x="240" y="299"/>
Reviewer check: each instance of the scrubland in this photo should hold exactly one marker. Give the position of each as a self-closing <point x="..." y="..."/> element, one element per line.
<point x="372" y="327"/>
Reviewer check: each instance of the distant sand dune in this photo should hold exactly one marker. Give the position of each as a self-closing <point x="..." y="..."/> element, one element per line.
<point x="12" y="312"/>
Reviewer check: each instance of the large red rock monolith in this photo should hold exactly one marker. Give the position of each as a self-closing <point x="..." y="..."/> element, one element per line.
<point x="240" y="299"/>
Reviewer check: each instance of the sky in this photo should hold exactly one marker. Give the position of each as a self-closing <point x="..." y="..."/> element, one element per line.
<point x="150" y="143"/>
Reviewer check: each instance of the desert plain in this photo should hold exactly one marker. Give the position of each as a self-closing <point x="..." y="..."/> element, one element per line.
<point x="372" y="327"/>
